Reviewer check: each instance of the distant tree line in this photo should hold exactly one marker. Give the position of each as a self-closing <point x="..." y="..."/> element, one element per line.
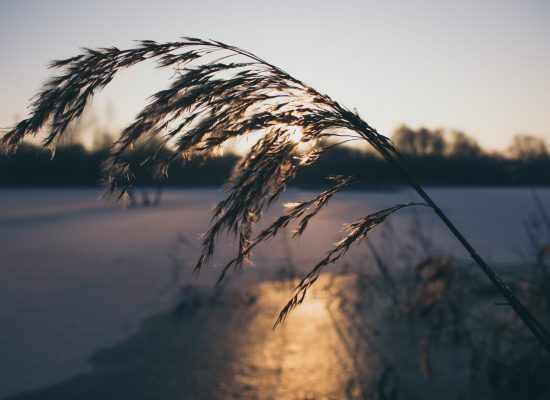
<point x="425" y="142"/>
<point x="435" y="156"/>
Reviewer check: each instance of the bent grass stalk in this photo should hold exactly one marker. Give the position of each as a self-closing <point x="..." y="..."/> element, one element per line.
<point x="220" y="93"/>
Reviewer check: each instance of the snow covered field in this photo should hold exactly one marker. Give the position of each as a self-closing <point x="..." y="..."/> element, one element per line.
<point x="78" y="274"/>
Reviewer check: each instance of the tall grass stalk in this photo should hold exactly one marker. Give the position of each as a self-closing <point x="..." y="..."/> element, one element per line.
<point x="219" y="93"/>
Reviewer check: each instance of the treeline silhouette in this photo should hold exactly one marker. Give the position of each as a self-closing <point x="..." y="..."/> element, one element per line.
<point x="435" y="156"/>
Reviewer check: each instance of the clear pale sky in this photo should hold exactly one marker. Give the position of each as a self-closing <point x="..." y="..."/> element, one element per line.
<point x="479" y="66"/>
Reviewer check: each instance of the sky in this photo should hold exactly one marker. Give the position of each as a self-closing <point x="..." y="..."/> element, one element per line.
<point x="477" y="66"/>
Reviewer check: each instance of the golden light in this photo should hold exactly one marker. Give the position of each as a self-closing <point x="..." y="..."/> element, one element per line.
<point x="305" y="348"/>
<point x="296" y="134"/>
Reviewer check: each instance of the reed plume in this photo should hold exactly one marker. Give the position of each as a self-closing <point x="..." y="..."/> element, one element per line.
<point x="220" y="93"/>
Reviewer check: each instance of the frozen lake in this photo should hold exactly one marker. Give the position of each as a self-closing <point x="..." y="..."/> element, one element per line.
<point x="78" y="274"/>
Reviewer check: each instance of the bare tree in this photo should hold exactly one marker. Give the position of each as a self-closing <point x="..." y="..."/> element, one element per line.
<point x="463" y="145"/>
<point x="527" y="147"/>
<point x="421" y="142"/>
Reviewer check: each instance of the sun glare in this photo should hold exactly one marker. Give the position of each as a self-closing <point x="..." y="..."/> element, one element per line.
<point x="296" y="134"/>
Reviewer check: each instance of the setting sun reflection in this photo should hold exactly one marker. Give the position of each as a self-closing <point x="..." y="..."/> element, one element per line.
<point x="306" y="357"/>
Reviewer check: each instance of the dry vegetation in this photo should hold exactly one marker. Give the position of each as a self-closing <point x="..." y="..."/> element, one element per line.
<point x="220" y="93"/>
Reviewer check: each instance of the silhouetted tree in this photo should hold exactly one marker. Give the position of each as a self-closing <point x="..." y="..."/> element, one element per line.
<point x="463" y="145"/>
<point x="421" y="142"/>
<point x="527" y="147"/>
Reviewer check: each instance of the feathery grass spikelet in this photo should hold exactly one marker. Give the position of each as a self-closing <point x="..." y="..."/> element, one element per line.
<point x="220" y="93"/>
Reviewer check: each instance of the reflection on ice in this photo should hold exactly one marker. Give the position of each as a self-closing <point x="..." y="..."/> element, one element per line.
<point x="303" y="358"/>
<point x="222" y="346"/>
<point x="65" y="255"/>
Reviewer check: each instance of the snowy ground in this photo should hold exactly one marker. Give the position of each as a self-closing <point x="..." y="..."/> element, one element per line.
<point x="78" y="275"/>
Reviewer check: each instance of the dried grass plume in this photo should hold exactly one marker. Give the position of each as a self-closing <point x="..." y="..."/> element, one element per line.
<point x="219" y="93"/>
